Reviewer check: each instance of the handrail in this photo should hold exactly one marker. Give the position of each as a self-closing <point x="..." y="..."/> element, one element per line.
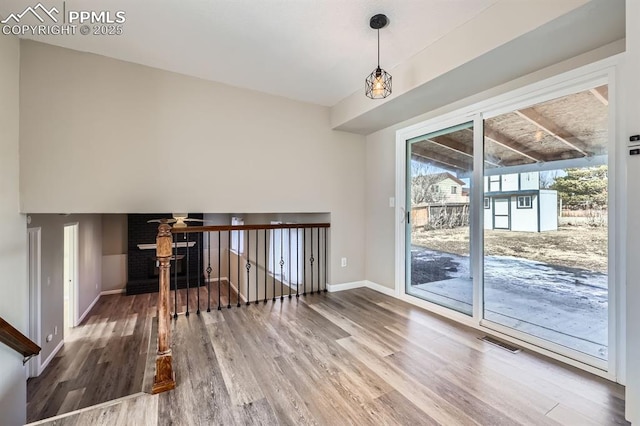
<point x="215" y="228"/>
<point x="17" y="341"/>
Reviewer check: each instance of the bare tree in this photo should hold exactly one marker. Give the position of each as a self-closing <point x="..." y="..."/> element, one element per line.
<point x="424" y="184"/>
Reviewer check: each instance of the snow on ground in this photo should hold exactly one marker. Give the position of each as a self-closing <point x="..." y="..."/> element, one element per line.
<point x="564" y="305"/>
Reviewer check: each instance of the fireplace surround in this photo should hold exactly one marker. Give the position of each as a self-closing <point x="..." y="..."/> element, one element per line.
<point x="141" y="261"/>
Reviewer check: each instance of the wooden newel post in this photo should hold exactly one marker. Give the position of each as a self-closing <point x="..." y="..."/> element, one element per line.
<point x="164" y="379"/>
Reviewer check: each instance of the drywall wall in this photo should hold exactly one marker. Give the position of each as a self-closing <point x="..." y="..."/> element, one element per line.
<point x="114" y="234"/>
<point x="115" y="137"/>
<point x="13" y="244"/>
<point x="89" y="269"/>
<point x="381" y="169"/>
<point x="630" y="84"/>
<point x="114" y="252"/>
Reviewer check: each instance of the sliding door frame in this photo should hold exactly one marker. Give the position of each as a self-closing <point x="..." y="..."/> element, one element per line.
<point x="602" y="72"/>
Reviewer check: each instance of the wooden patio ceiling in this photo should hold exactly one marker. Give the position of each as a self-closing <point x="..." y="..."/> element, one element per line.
<point x="570" y="127"/>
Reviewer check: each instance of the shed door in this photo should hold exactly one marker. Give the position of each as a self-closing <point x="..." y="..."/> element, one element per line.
<point x="501" y="213"/>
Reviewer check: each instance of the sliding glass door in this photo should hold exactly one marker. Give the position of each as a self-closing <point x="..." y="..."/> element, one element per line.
<point x="545" y="221"/>
<point x="438" y="194"/>
<point x="520" y="241"/>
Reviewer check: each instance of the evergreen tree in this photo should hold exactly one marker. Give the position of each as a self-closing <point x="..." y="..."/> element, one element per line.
<point x="584" y="188"/>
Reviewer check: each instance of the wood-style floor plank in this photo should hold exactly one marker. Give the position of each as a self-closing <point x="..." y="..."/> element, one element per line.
<point x="355" y="358"/>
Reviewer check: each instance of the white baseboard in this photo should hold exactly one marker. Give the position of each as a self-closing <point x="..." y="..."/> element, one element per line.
<point x="46" y="362"/>
<point x="88" y="310"/>
<point x="242" y="296"/>
<point x="381" y="289"/>
<point x="345" y="286"/>
<point x="215" y="280"/>
<point x="109" y="292"/>
<point x="358" y="284"/>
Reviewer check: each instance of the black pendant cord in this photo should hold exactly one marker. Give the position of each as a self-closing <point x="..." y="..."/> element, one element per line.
<point x="378" y="49"/>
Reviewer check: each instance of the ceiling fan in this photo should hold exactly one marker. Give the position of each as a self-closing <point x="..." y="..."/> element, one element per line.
<point x="179" y="220"/>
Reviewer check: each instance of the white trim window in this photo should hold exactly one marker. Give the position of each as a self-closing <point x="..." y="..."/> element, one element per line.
<point x="524" y="202"/>
<point x="237" y="237"/>
<point x="285" y="244"/>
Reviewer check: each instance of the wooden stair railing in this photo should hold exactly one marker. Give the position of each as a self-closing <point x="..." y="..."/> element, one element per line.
<point x="302" y="265"/>
<point x="17" y="341"/>
<point x="164" y="379"/>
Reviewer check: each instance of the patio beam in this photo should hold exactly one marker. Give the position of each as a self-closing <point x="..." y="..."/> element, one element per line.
<point x="601" y="93"/>
<point x="547" y="125"/>
<point x="506" y="142"/>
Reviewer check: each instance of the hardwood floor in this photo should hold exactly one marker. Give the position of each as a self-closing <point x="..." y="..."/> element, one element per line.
<point x="354" y="357"/>
<point x="107" y="356"/>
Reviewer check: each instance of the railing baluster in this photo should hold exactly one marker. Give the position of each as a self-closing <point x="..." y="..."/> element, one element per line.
<point x="219" y="270"/>
<point x="273" y="255"/>
<point x="248" y="265"/>
<point x="229" y="272"/>
<point x="266" y="266"/>
<point x="311" y="260"/>
<point x="319" y="259"/>
<point x="199" y="253"/>
<point x="281" y="264"/>
<point x="325" y="260"/>
<point x="188" y="269"/>
<point x="238" y="274"/>
<point x="297" y="262"/>
<point x="257" y="269"/>
<point x="289" y="250"/>
<point x="175" y="275"/>
<point x="209" y="270"/>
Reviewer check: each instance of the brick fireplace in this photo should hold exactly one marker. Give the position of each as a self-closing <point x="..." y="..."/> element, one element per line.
<point x="141" y="262"/>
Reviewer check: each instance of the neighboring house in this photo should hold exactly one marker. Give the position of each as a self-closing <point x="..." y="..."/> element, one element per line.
<point x="444" y="201"/>
<point x="449" y="189"/>
<point x="515" y="202"/>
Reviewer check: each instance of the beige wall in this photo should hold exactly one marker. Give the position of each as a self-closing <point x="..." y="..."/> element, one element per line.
<point x="13" y="244"/>
<point x="114" y="252"/>
<point x="89" y="269"/>
<point x="114" y="234"/>
<point x="104" y="127"/>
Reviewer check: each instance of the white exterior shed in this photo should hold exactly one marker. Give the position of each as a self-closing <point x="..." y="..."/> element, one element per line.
<point x="515" y="202"/>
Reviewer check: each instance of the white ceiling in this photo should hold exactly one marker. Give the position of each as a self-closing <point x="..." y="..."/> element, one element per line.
<point x="315" y="51"/>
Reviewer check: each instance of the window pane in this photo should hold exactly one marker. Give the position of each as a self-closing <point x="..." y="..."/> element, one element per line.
<point x="545" y="227"/>
<point x="439" y="174"/>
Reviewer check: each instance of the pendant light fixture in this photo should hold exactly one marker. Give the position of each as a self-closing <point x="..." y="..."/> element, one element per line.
<point x="378" y="83"/>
